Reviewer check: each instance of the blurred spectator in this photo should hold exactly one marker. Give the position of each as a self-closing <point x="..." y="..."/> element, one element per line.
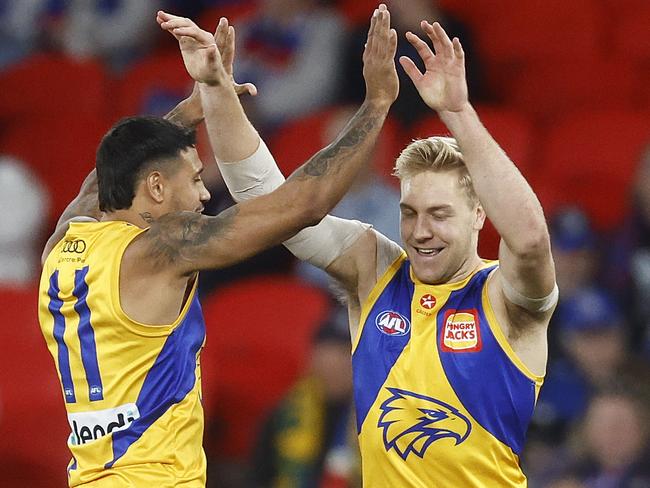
<point x="291" y="50"/>
<point x="406" y="15"/>
<point x="614" y="438"/>
<point x="309" y="440"/>
<point x="118" y="31"/>
<point x="575" y="251"/>
<point x="629" y="259"/>
<point x="23" y="211"/>
<point x="25" y="26"/>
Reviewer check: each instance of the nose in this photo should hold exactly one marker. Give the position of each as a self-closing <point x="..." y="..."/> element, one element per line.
<point x="422" y="230"/>
<point x="205" y="195"/>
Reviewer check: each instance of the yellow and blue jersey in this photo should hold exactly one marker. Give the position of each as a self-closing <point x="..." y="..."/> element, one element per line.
<point x="441" y="398"/>
<point x="131" y="390"/>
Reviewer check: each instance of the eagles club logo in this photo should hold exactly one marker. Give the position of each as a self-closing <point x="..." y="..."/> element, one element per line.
<point x="412" y="422"/>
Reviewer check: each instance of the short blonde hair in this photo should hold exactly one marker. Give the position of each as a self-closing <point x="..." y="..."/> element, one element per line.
<point x="436" y="154"/>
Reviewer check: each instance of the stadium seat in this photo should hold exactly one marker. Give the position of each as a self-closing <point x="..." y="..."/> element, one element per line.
<point x="545" y="89"/>
<point x="153" y="86"/>
<point x="59" y="148"/>
<point x="258" y="338"/>
<point x="590" y="159"/>
<point x="33" y="425"/>
<point x="53" y="84"/>
<point x="631" y="32"/>
<point x="295" y="142"/>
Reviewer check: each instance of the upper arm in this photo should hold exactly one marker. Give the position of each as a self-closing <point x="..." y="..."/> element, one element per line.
<point x="359" y="268"/>
<point x="531" y="275"/>
<point x="184" y="242"/>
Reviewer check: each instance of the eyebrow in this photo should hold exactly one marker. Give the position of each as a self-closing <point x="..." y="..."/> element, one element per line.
<point x="435" y="208"/>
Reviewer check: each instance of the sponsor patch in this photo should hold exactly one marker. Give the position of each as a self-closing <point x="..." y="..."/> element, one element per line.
<point x="428" y="301"/>
<point x="461" y="332"/>
<point x="392" y="323"/>
<point x="90" y="426"/>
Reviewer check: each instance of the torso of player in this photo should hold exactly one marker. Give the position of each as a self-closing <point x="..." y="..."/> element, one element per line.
<point x="442" y="400"/>
<point x="131" y="390"/>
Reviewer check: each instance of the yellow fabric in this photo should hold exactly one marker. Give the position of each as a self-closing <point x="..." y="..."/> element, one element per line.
<point x="169" y="451"/>
<point x="480" y="460"/>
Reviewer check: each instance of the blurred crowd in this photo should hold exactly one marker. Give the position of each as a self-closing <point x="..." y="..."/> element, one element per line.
<point x="276" y="368"/>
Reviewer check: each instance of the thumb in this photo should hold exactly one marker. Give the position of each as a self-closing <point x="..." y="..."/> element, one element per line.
<point x="411" y="69"/>
<point x="246" y="89"/>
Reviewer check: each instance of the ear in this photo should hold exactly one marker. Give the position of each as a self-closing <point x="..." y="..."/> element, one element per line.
<point x="479" y="219"/>
<point x="154" y="185"/>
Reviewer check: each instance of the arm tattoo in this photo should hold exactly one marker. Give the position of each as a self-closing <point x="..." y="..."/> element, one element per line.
<point x="354" y="133"/>
<point x="183" y="236"/>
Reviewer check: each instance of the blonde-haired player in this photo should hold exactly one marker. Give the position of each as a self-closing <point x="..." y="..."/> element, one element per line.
<point x="449" y="350"/>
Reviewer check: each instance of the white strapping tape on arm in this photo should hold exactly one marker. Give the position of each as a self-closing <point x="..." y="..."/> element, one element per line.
<point x="537" y="305"/>
<point x="319" y="245"/>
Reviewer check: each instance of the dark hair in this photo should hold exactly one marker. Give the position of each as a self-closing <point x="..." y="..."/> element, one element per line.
<point x="130" y="147"/>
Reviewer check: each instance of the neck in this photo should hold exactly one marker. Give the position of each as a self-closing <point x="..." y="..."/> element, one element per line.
<point x="468" y="267"/>
<point x="132" y="216"/>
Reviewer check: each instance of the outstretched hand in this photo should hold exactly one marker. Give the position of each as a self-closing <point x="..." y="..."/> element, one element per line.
<point x="382" y="83"/>
<point x="443" y="85"/>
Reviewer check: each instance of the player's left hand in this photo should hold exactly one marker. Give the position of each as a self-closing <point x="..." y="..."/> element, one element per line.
<point x="198" y="47"/>
<point x="443" y="85"/>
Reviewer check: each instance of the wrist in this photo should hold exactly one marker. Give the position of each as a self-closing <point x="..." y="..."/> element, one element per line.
<point x="465" y="112"/>
<point x="378" y="104"/>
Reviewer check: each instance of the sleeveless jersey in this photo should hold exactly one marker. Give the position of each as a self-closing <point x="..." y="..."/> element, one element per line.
<point x="131" y="391"/>
<point x="441" y="399"/>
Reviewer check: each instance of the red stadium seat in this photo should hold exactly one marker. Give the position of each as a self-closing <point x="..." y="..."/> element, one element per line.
<point x="33" y="424"/>
<point x="53" y="84"/>
<point x="631" y="32"/>
<point x="153" y="86"/>
<point x="545" y="89"/>
<point x="258" y="337"/>
<point x="60" y="149"/>
<point x="295" y="142"/>
<point x="590" y="159"/>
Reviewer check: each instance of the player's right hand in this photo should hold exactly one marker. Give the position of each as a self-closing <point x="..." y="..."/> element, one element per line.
<point x="382" y="83"/>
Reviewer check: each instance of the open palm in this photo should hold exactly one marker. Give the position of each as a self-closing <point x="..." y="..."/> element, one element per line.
<point x="443" y="85"/>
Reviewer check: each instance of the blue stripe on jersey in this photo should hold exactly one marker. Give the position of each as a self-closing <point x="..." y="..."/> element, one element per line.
<point x="492" y="389"/>
<point x="170" y="379"/>
<point x="63" y="355"/>
<point x="87" y="337"/>
<point x="370" y="365"/>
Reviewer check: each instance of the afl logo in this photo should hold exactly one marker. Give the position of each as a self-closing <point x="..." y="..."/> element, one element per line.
<point x="392" y="323"/>
<point x="77" y="246"/>
<point x="428" y="301"/>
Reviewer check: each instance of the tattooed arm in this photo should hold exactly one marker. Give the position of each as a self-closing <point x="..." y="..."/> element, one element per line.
<point x="186" y="242"/>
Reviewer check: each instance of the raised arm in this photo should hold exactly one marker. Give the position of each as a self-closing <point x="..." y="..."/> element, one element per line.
<point x="189" y="241"/>
<point x="526" y="269"/>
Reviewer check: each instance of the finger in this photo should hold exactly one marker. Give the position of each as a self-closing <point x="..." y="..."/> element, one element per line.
<point x="392" y="43"/>
<point x="442" y="36"/>
<point x="458" y="48"/>
<point x="246" y="89"/>
<point x="411" y="69"/>
<point x="189" y="32"/>
<point x="177" y="22"/>
<point x="228" y="56"/>
<point x="371" y="30"/>
<point x="421" y="47"/>
<point x="221" y="33"/>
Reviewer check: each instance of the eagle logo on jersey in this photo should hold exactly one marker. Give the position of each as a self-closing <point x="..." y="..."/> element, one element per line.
<point x="412" y="422"/>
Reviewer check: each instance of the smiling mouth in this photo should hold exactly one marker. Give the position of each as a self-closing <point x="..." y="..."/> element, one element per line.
<point x="431" y="251"/>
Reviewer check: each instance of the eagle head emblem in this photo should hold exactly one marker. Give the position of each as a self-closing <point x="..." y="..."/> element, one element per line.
<point x="411" y="422"/>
